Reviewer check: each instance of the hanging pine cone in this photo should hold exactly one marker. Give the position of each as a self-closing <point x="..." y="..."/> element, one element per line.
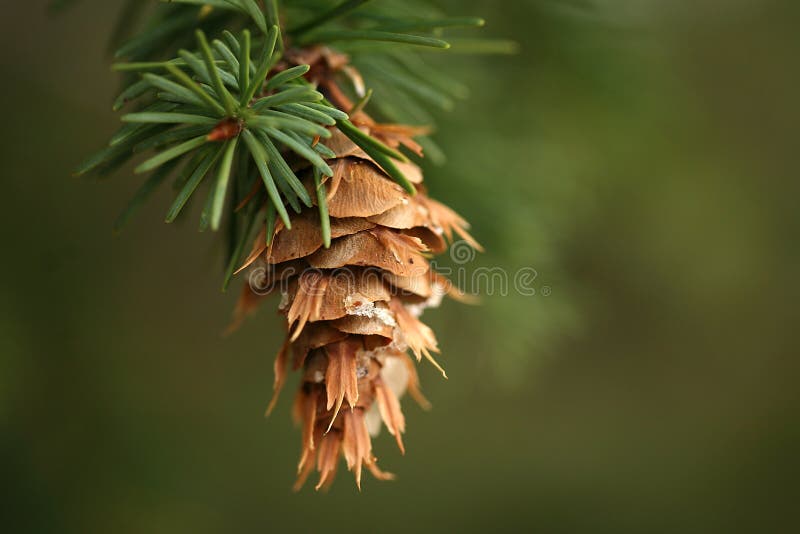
<point x="352" y="309"/>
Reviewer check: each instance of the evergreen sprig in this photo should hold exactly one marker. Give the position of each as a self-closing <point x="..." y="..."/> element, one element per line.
<point x="216" y="112"/>
<point x="205" y="107"/>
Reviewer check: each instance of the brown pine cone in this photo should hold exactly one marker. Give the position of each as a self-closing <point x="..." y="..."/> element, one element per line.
<point x="353" y="309"/>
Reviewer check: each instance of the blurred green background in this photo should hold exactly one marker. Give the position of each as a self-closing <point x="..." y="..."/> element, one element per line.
<point x="640" y="156"/>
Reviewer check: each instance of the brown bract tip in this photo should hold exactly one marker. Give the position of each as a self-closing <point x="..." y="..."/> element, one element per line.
<point x="392" y="416"/>
<point x="420" y="338"/>
<point x="341" y="377"/>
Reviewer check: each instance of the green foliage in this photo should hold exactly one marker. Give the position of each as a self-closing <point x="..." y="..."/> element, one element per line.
<point x="205" y="110"/>
<point x="217" y="112"/>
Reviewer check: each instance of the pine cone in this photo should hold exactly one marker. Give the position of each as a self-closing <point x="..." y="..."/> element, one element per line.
<point x="353" y="309"/>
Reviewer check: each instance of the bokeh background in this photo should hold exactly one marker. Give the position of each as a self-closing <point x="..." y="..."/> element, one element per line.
<point x="640" y="156"/>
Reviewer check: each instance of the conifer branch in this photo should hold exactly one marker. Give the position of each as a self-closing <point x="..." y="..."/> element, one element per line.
<point x="276" y="126"/>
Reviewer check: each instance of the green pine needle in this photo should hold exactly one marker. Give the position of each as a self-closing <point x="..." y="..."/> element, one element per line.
<point x="167" y="155"/>
<point x="374" y="35"/>
<point x="260" y="159"/>
<point x="366" y="142"/>
<point x="191" y="184"/>
<point x="223" y="177"/>
<point x="322" y="204"/>
<point x="216" y="81"/>
<point x="270" y="223"/>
